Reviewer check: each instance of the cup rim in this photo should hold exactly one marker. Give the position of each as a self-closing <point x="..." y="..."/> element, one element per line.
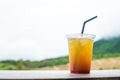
<point x="79" y="35"/>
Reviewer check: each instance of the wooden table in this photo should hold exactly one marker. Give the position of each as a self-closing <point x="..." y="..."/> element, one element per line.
<point x="58" y="75"/>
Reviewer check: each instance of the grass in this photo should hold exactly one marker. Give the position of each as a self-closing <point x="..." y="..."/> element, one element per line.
<point x="104" y="56"/>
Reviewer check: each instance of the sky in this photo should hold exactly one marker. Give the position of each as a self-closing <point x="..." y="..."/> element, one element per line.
<point x="36" y="29"/>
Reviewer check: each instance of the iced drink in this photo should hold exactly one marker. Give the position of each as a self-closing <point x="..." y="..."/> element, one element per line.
<point x="80" y="52"/>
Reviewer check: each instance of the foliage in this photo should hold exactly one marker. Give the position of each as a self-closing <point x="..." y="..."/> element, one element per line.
<point x="111" y="45"/>
<point x="27" y="65"/>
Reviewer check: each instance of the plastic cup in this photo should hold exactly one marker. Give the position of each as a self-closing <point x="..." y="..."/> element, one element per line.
<point x="80" y="52"/>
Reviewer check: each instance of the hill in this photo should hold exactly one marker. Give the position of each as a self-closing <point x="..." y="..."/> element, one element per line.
<point x="107" y="48"/>
<point x="103" y="48"/>
<point x="96" y="64"/>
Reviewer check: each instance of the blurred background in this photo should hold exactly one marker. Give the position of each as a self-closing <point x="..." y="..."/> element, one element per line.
<point x="32" y="32"/>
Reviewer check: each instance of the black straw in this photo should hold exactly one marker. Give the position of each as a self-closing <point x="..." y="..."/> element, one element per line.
<point x="86" y="22"/>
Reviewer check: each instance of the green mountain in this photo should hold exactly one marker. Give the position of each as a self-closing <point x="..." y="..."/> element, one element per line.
<point x="111" y="45"/>
<point x="103" y="48"/>
<point x="107" y="47"/>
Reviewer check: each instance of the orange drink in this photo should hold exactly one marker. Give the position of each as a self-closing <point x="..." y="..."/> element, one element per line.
<point x="80" y="52"/>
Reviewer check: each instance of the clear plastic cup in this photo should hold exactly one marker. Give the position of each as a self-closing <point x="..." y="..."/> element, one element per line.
<point x="80" y="52"/>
